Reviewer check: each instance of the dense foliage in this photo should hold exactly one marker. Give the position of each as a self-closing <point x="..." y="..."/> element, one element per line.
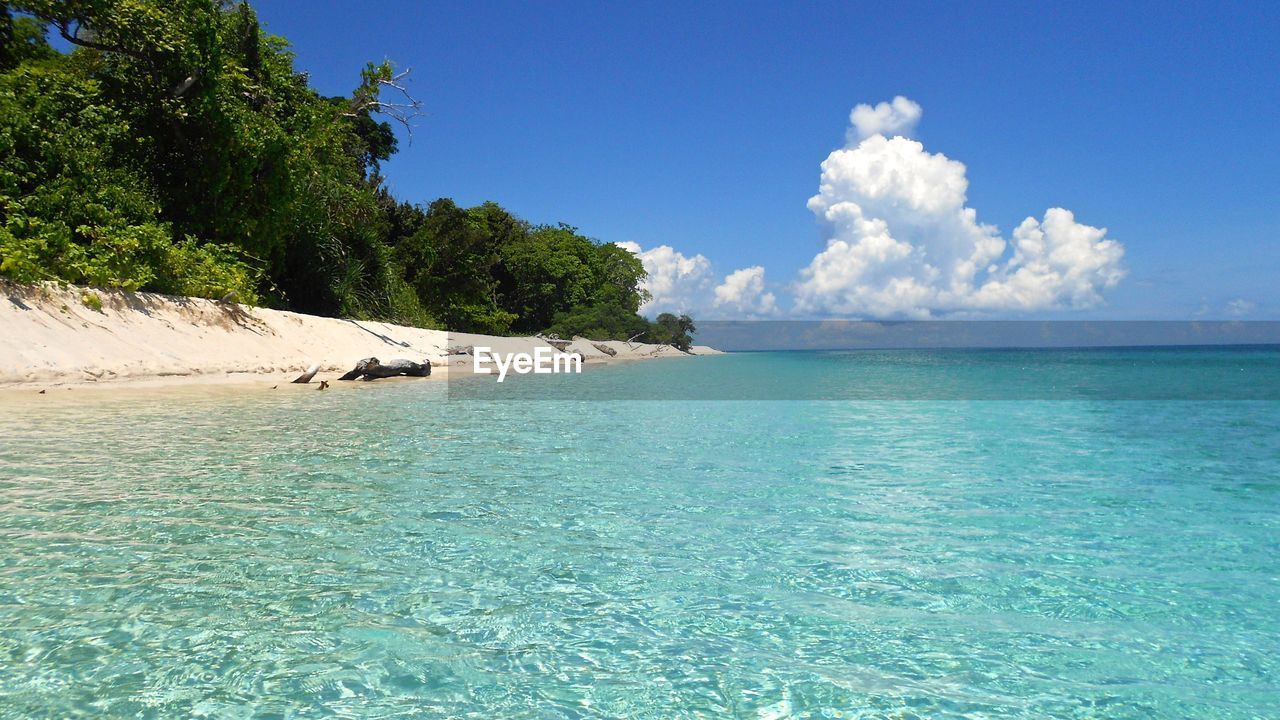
<point x="176" y="149"/>
<point x="674" y="331"/>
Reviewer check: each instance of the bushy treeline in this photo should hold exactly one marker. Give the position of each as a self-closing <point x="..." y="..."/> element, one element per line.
<point x="176" y="149"/>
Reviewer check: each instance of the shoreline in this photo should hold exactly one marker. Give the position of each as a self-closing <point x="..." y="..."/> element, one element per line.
<point x="52" y="339"/>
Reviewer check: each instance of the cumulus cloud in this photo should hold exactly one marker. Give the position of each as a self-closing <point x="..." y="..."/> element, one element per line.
<point x="677" y="282"/>
<point x="902" y="242"/>
<point x="743" y="291"/>
<point x="887" y="118"/>
<point x="680" y="283"/>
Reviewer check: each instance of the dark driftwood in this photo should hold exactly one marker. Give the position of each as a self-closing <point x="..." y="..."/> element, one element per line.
<point x="372" y="369"/>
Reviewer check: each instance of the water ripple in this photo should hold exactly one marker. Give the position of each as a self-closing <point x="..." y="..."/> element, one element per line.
<point x="384" y="552"/>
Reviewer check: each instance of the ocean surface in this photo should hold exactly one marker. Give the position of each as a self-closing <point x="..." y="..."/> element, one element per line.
<point x="397" y="549"/>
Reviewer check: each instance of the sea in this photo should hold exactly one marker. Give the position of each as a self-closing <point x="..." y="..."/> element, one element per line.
<point x="867" y="534"/>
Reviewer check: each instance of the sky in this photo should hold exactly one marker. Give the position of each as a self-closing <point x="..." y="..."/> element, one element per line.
<point x="799" y="160"/>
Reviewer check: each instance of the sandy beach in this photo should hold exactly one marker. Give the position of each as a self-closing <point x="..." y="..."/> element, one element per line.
<point x="49" y="337"/>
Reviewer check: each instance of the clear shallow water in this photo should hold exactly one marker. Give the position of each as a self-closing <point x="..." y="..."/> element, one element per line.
<point x="382" y="551"/>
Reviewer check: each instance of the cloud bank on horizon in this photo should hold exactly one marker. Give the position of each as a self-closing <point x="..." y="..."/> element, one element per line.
<point x="901" y="242"/>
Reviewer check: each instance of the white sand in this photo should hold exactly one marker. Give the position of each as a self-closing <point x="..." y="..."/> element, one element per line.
<point x="49" y="337"/>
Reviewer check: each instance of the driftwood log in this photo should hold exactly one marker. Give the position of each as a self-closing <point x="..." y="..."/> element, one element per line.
<point x="372" y="369"/>
<point x="306" y="376"/>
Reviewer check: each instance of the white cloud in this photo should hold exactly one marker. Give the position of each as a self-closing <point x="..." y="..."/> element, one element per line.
<point x="901" y="242"/>
<point x="887" y="118"/>
<point x="680" y="283"/>
<point x="677" y="283"/>
<point x="1241" y="307"/>
<point x="743" y="291"/>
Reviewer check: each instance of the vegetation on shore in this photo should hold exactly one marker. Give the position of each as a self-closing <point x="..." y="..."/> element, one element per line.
<point x="176" y="149"/>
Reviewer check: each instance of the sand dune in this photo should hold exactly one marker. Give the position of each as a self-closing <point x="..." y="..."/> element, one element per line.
<point x="49" y="336"/>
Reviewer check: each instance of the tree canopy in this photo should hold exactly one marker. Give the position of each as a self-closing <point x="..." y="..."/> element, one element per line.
<point x="176" y="149"/>
<point x="674" y="331"/>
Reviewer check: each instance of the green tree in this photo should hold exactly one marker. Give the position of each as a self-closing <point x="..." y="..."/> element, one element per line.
<point x="600" y="321"/>
<point x="449" y="261"/>
<point x="22" y="39"/>
<point x="177" y="149"/>
<point x="674" y="331"/>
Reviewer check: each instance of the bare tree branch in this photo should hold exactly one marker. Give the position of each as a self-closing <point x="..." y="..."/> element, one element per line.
<point x="73" y="37"/>
<point x="367" y="99"/>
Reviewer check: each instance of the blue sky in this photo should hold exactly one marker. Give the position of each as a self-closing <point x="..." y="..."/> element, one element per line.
<point x="702" y="126"/>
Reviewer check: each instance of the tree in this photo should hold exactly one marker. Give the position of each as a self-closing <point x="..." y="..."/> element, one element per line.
<point x="22" y="39"/>
<point x="450" y="261"/>
<point x="176" y="149"/>
<point x="368" y="97"/>
<point x="602" y="320"/>
<point x="674" y="331"/>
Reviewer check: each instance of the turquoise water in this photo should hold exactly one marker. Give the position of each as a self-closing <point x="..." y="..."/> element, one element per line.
<point x="384" y="551"/>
